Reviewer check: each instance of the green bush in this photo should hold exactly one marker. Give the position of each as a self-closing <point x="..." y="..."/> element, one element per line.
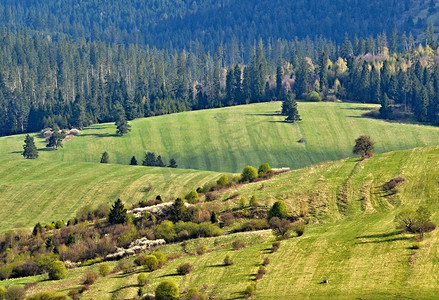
<point x="59" y="224"/>
<point x="299" y="228"/>
<point x="57" y="271"/>
<point x="228" y="260"/>
<point x="250" y="290"/>
<point x="161" y="257"/>
<point x="279" y="209"/>
<point x="314" y="96"/>
<point x="223" y="180"/>
<point x="253" y="201"/>
<point x="91" y="262"/>
<point x="238" y="244"/>
<point x="192" y="197"/>
<point x="124" y="266"/>
<point x="165" y="231"/>
<point x="185" y="268"/>
<point x="48" y="295"/>
<point x="5" y="271"/>
<point x="150" y="262"/>
<point x="167" y="290"/>
<point x="2" y="293"/>
<point x="104" y="269"/>
<point x="264" y="169"/>
<point x="249" y="174"/>
<point x="142" y="279"/>
<point x="201" y="249"/>
<point x="242" y="202"/>
<point x="90" y="277"/>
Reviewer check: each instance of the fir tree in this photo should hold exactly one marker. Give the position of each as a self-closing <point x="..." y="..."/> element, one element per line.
<point x="160" y="162"/>
<point x="105" y="158"/>
<point x="172" y="163"/>
<point x="150" y="159"/>
<point x="121" y="122"/>
<point x="118" y="213"/>
<point x="213" y="217"/>
<point x="289" y="109"/>
<point x="133" y="161"/>
<point x="30" y="151"/>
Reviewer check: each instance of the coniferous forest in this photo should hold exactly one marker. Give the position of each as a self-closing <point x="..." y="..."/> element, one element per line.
<point x="58" y="72"/>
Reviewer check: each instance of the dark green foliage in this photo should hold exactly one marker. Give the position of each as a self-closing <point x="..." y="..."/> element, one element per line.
<point x="172" y="163"/>
<point x="385" y="109"/>
<point x="121" y="121"/>
<point x="133" y="161"/>
<point x="178" y="210"/>
<point x="364" y="146"/>
<point x="105" y="158"/>
<point x="192" y="197"/>
<point x="30" y="151"/>
<point x="167" y="290"/>
<point x="279" y="210"/>
<point x="37" y="229"/>
<point x="118" y="213"/>
<point x="213" y="217"/>
<point x="57" y="271"/>
<point x="150" y="159"/>
<point x="56" y="139"/>
<point x="249" y="174"/>
<point x="160" y="162"/>
<point x="289" y="109"/>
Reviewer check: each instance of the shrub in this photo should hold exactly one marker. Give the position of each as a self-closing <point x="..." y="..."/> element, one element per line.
<point x="167" y="290"/>
<point x="223" y="180"/>
<point x="253" y="201"/>
<point x="250" y="290"/>
<point x="279" y="209"/>
<point x="263" y="169"/>
<point x="261" y="272"/>
<point x="90" y="262"/>
<point x="5" y="271"/>
<point x="102" y="211"/>
<point x="242" y="202"/>
<point x="90" y="277"/>
<point x="275" y="246"/>
<point x="192" y="197"/>
<point x="161" y="257"/>
<point x="124" y="266"/>
<point x="185" y="268"/>
<point x="314" y="96"/>
<point x="193" y="294"/>
<point x="48" y="295"/>
<point x="150" y="262"/>
<point x="211" y="196"/>
<point x="15" y="293"/>
<point x="228" y="219"/>
<point x="142" y="279"/>
<point x="238" y="245"/>
<point x="393" y="183"/>
<point x="228" y="260"/>
<point x="266" y="261"/>
<point x="104" y="269"/>
<point x="299" y="228"/>
<point x="280" y="227"/>
<point x="59" y="224"/>
<point x="165" y="231"/>
<point x="416" y="245"/>
<point x="57" y="271"/>
<point x="139" y="259"/>
<point x="2" y="293"/>
<point x="249" y="174"/>
<point x="201" y="249"/>
<point x="254" y="224"/>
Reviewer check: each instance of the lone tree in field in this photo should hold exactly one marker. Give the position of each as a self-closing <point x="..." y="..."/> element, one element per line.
<point x="105" y="158"/>
<point x="133" y="161"/>
<point x="172" y="163"/>
<point x="364" y="146"/>
<point x="415" y="221"/>
<point x="30" y="151"/>
<point x="121" y="122"/>
<point x="118" y="213"/>
<point x="289" y="109"/>
<point x="56" y="139"/>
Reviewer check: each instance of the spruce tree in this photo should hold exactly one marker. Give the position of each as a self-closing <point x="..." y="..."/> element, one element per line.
<point x="121" y="122"/>
<point x="30" y="151"/>
<point x="133" y="161"/>
<point x="289" y="109"/>
<point x="150" y="159"/>
<point x="172" y="163"/>
<point x="105" y="158"/>
<point x="160" y="162"/>
<point x="118" y="213"/>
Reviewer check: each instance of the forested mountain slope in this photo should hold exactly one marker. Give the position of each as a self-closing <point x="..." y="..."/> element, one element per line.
<point x="207" y="23"/>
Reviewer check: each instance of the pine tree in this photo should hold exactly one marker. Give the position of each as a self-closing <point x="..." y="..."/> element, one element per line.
<point x="121" y="121"/>
<point x="213" y="217"/>
<point x="385" y="109"/>
<point x="150" y="159"/>
<point x="118" y="213"/>
<point x="289" y="108"/>
<point x="160" y="162"/>
<point x="133" y="161"/>
<point x="172" y="163"/>
<point x="79" y="112"/>
<point x="105" y="158"/>
<point x="30" y="151"/>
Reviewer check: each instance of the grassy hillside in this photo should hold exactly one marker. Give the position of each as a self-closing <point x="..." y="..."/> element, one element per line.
<point x="360" y="253"/>
<point x="228" y="139"/>
<point x="42" y="191"/>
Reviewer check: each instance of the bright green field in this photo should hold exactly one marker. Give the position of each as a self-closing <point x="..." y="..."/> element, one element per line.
<point x="43" y="191"/>
<point x="360" y="252"/>
<point x="228" y="139"/>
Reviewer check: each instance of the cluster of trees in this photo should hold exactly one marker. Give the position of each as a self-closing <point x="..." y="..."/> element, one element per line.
<point x="151" y="160"/>
<point x="59" y="83"/>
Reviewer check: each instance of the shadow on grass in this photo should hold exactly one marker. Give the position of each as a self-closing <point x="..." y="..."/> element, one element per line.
<point x="102" y="135"/>
<point x="380" y="235"/>
<point x="170" y="275"/>
<point x="217" y="266"/>
<point x="124" y="287"/>
<point x="266" y="114"/>
<point x="123" y="275"/>
<point x="403" y="238"/>
<point x="358" y="108"/>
